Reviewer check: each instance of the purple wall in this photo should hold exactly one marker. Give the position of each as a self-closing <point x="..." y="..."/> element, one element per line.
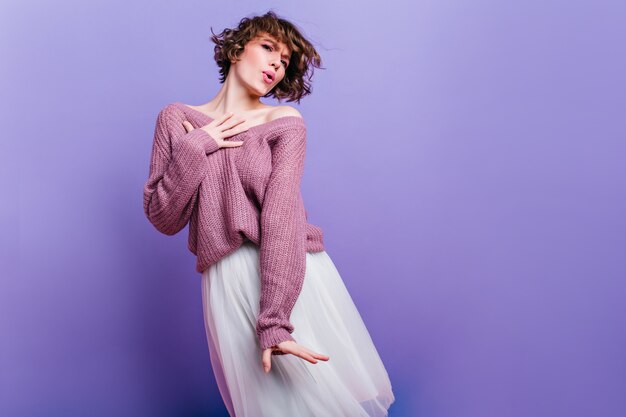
<point x="465" y="161"/>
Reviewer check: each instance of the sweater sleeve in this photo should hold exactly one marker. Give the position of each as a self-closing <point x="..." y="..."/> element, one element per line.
<point x="177" y="167"/>
<point x="282" y="252"/>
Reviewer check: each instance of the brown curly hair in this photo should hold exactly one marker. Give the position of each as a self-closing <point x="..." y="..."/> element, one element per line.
<point x="230" y="43"/>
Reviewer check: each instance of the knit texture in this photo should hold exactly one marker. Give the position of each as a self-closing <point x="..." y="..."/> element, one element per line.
<point x="228" y="195"/>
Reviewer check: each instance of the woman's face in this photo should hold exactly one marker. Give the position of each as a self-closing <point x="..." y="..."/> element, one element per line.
<point x="262" y="64"/>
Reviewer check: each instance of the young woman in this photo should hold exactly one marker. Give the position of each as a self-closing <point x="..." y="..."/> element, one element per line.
<point x="284" y="335"/>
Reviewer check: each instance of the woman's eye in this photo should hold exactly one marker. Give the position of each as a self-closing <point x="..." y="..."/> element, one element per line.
<point x="269" y="48"/>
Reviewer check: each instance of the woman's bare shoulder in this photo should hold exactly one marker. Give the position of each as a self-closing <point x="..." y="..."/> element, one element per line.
<point x="283" y="111"/>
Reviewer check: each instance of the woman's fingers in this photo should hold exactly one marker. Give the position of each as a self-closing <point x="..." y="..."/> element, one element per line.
<point x="318" y="355"/>
<point x="300" y="351"/>
<point x="227" y="121"/>
<point x="315" y="355"/>
<point x="188" y="126"/>
<point x="224" y="127"/>
<point x="233" y="131"/>
<point x="304" y="354"/>
<point x="224" y="117"/>
<point x="267" y="360"/>
<point x="232" y="144"/>
<point x="220" y="136"/>
<point x="308" y="357"/>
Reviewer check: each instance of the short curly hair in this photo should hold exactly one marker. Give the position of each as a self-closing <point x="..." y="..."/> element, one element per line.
<point x="296" y="83"/>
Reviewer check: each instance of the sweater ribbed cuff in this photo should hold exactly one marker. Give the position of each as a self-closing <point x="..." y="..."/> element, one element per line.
<point x="315" y="238"/>
<point x="208" y="142"/>
<point x="273" y="336"/>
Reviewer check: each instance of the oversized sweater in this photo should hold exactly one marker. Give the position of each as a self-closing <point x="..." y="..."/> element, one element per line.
<point x="229" y="195"/>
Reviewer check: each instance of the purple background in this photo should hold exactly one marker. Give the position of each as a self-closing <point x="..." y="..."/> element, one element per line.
<point x="465" y="161"/>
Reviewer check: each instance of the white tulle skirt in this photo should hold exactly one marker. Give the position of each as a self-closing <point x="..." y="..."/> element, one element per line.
<point x="352" y="383"/>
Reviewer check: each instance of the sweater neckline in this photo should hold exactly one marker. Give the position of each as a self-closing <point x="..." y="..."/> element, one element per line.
<point x="281" y="119"/>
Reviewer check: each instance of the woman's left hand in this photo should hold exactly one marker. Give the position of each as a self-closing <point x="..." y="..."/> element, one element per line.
<point x="289" y="346"/>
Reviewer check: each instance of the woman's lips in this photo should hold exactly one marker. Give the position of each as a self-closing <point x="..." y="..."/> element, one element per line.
<point x="267" y="78"/>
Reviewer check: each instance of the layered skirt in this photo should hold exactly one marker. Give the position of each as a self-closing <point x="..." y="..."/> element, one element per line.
<point x="352" y="383"/>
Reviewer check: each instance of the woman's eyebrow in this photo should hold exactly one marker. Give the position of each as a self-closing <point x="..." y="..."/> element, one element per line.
<point x="275" y="46"/>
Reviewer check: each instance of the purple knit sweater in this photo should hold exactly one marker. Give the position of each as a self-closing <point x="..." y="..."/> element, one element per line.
<point x="228" y="195"/>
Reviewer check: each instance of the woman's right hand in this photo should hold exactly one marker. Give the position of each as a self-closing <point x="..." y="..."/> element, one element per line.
<point x="221" y="128"/>
<point x="292" y="347"/>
